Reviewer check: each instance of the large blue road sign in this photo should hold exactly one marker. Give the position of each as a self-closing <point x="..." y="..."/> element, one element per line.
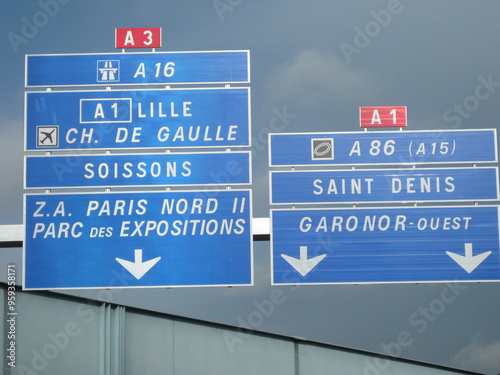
<point x="112" y="69"/>
<point x="388" y="147"/>
<point x="139" y="239"/>
<point x="167" y="169"/>
<point x="168" y="118"/>
<point x="384" y="185"/>
<point x="385" y="245"/>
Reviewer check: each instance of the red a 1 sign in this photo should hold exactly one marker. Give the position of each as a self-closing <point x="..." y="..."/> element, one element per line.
<point x="382" y="117"/>
<point x="138" y="37"/>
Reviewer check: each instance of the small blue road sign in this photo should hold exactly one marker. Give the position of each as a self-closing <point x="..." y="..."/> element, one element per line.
<point x="385" y="245"/>
<point x="138" y="239"/>
<point x="388" y="147"/>
<point x="131" y="119"/>
<point x="137" y="68"/>
<point x="167" y="169"/>
<point x="385" y="185"/>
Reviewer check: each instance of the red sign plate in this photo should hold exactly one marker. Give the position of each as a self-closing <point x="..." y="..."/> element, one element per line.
<point x="138" y="37"/>
<point x="382" y="117"/>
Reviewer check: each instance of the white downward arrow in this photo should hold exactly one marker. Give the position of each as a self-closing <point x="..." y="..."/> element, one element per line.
<point x="303" y="265"/>
<point x="138" y="268"/>
<point x="469" y="262"/>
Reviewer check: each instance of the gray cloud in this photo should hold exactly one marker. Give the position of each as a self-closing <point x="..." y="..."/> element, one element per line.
<point x="313" y="79"/>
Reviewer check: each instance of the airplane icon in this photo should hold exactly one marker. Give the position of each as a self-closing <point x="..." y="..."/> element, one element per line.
<point x="47" y="136"/>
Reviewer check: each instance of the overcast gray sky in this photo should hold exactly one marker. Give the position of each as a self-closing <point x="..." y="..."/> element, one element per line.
<point x="316" y="61"/>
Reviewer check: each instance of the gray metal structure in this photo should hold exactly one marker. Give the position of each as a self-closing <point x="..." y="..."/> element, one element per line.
<point x="59" y="334"/>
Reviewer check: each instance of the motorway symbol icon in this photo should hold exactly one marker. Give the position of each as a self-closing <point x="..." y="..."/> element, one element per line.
<point x="108" y="70"/>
